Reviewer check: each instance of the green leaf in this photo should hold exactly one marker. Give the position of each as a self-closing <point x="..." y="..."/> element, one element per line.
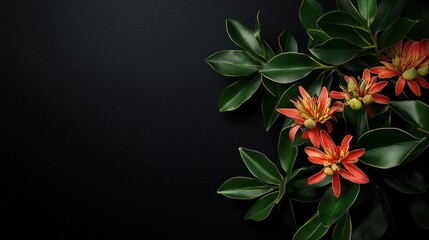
<point x="418" y="150"/>
<point x="336" y="51"/>
<point x="368" y="9"/>
<point x="309" y="12"/>
<point x="287" y="152"/>
<point x="233" y="63"/>
<point x="339" y="24"/>
<point x="287" y="42"/>
<point x="395" y="33"/>
<point x="406" y="181"/>
<point x="244" y="38"/>
<point x="388" y="12"/>
<point x="260" y="166"/>
<point x="356" y="121"/>
<point x="332" y="208"/>
<point x="386" y="147"/>
<point x="351" y="7"/>
<point x="375" y="224"/>
<point x="419" y="210"/>
<point x="239" y="92"/>
<point x="289" y="67"/>
<point x="287" y="214"/>
<point x="282" y="190"/>
<point x="413" y="111"/>
<point x="275" y="89"/>
<point x="262" y="207"/>
<point x="313" y="229"/>
<point x="244" y="188"/>
<point x="343" y="228"/>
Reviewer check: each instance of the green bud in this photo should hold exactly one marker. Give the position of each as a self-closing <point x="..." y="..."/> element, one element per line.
<point x="355" y="104"/>
<point x="346" y="97"/>
<point x="328" y="171"/>
<point x="410" y="74"/>
<point x="310" y="124"/>
<point x="351" y="84"/>
<point x="423" y="71"/>
<point x="368" y="99"/>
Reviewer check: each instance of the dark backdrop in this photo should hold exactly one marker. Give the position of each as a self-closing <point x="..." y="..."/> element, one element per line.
<point x="110" y="126"/>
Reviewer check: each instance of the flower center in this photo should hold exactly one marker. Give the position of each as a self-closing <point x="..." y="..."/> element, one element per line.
<point x="410" y="74"/>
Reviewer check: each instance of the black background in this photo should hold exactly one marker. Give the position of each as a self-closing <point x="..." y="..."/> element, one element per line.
<point x="110" y="124"/>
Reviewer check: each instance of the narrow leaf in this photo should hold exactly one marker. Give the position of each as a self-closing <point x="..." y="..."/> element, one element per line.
<point x="287" y="214"/>
<point x="388" y="12"/>
<point x="261" y="209"/>
<point x="309" y="12"/>
<point x="395" y="33"/>
<point x="356" y="121"/>
<point x="413" y="111"/>
<point x="343" y="228"/>
<point x="287" y="42"/>
<point x="351" y="7"/>
<point x="244" y="188"/>
<point x="234" y="95"/>
<point x="368" y="9"/>
<point x="233" y="63"/>
<point x="313" y="229"/>
<point x="336" y="51"/>
<point x="260" y="166"/>
<point x="244" y="38"/>
<point x="287" y="152"/>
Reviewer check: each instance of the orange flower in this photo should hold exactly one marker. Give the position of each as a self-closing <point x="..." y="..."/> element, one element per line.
<point x="409" y="61"/>
<point x="311" y="113"/>
<point x="336" y="161"/>
<point x="365" y="90"/>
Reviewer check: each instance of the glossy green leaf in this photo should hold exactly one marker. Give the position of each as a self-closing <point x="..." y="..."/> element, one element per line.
<point x="375" y="224"/>
<point x="289" y="67"/>
<point x="368" y="9"/>
<point x="388" y="12"/>
<point x="244" y="188"/>
<point x="309" y="12"/>
<point x="339" y="24"/>
<point x="406" y="181"/>
<point x="419" y="30"/>
<point x="261" y="209"/>
<point x="418" y="150"/>
<point x="386" y="147"/>
<point x="269" y="113"/>
<point x="233" y="63"/>
<point x="356" y="120"/>
<point x="351" y="7"/>
<point x="336" y="51"/>
<point x="395" y="33"/>
<point x="313" y="229"/>
<point x="260" y="166"/>
<point x="244" y="38"/>
<point x="419" y="208"/>
<point x="239" y="92"/>
<point x="286" y="42"/>
<point x="282" y="190"/>
<point x="287" y="152"/>
<point x="275" y="89"/>
<point x="317" y="37"/>
<point x="287" y="213"/>
<point x="343" y="228"/>
<point x="413" y="111"/>
<point x="332" y="208"/>
<point x="306" y="195"/>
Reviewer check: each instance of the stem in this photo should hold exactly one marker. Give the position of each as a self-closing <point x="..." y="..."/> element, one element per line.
<point x="375" y="44"/>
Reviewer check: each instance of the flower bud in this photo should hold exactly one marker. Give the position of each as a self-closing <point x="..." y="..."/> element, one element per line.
<point x="335" y="167"/>
<point x="410" y="74"/>
<point x="328" y="171"/>
<point x="355" y="104"/>
<point x="351" y="84"/>
<point x="310" y="124"/>
<point x="368" y="99"/>
<point x="346" y="97"/>
<point x="423" y="71"/>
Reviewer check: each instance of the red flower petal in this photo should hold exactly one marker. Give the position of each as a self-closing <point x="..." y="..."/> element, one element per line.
<point x="399" y="87"/>
<point x="311" y="151"/>
<point x="317" y="160"/>
<point x="346" y="143"/>
<point x="317" y="177"/>
<point x="378" y="86"/>
<point x="323" y="97"/>
<point x="328" y="126"/>
<point x="313" y="134"/>
<point x="327" y="143"/>
<point x="336" y="184"/>
<point x="303" y="92"/>
<point x="353" y="155"/>
<point x="354" y="174"/>
<point x="414" y="87"/>
<point x="292" y="132"/>
<point x="387" y="74"/>
<point x="381" y="99"/>
<point x="422" y="82"/>
<point x="378" y="69"/>
<point x="336" y="95"/>
<point x="366" y="75"/>
<point x="289" y="112"/>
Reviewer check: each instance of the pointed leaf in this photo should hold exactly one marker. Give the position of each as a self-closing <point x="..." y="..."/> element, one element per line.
<point x="287" y="152"/>
<point x="356" y="121"/>
<point x="239" y="92"/>
<point x="406" y="181"/>
<point x="413" y="111"/>
<point x="368" y="9"/>
<point x="289" y="67"/>
<point x="386" y="147"/>
<point x="418" y="150"/>
<point x="388" y="12"/>
<point x="269" y="113"/>
<point x="260" y="166"/>
<point x="275" y="89"/>
<point x="332" y="208"/>
<point x="244" y="188"/>
<point x="336" y="51"/>
<point x="287" y="214"/>
<point x="262" y="207"/>
<point x="313" y="229"/>
<point x="287" y="42"/>
<point x="351" y="7"/>
<point x="395" y="33"/>
<point x="343" y="228"/>
<point x="419" y="210"/>
<point x="233" y="63"/>
<point x="309" y="12"/>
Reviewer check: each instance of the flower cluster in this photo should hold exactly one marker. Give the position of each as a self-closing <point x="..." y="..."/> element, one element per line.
<point x="349" y="89"/>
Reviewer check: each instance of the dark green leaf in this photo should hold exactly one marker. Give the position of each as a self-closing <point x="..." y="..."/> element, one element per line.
<point x="419" y="210"/>
<point x="313" y="229"/>
<point x="275" y="89"/>
<point x="375" y="224"/>
<point x="386" y="147"/>
<point x="406" y="181"/>
<point x="336" y="51"/>
<point x="332" y="208"/>
<point x="282" y="190"/>
<point x="244" y="188"/>
<point x="343" y="228"/>
<point x="356" y="121"/>
<point x="260" y="166"/>
<point x="239" y="92"/>
<point x="303" y="183"/>
<point x="413" y="111"/>
<point x="418" y="150"/>
<point x="244" y="38"/>
<point x="317" y="37"/>
<point x="351" y="7"/>
<point x="368" y="9"/>
<point x="287" y="214"/>
<point x="309" y="12"/>
<point x="289" y="67"/>
<point x="287" y="42"/>
<point x="233" y="63"/>
<point x="262" y="207"/>
<point x="287" y="152"/>
<point x="388" y="12"/>
<point x="395" y="33"/>
<point x="306" y="195"/>
<point x="269" y="113"/>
